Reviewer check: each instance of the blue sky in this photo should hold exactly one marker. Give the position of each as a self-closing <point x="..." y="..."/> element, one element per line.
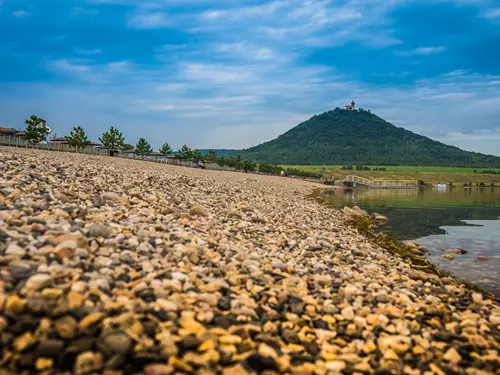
<point x="234" y="73"/>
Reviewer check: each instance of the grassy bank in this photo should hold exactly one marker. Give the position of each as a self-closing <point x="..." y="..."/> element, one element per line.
<point x="457" y="176"/>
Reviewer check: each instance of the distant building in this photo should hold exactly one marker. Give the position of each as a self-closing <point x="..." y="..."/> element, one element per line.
<point x="59" y="141"/>
<point x="350" y="107"/>
<point x="95" y="145"/>
<point x="8" y="131"/>
<point x="43" y="124"/>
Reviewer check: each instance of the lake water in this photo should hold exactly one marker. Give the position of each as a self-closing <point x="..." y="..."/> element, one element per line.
<point x="441" y="218"/>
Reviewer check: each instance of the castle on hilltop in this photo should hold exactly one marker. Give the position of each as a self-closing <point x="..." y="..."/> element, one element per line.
<point x="350" y="107"/>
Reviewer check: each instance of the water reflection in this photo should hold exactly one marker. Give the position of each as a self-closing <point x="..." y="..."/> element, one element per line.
<point x="436" y="218"/>
<point x="482" y="238"/>
<point x="417" y="213"/>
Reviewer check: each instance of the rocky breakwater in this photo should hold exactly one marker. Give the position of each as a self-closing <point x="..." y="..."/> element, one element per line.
<point x="124" y="267"/>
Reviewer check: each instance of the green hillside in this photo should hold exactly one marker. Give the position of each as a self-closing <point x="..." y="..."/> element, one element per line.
<point x="360" y="137"/>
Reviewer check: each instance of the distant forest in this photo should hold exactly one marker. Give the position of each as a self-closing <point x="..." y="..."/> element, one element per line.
<point x="220" y="152"/>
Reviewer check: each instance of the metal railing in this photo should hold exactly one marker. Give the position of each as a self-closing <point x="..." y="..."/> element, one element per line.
<point x="360" y="181"/>
<point x="21" y="143"/>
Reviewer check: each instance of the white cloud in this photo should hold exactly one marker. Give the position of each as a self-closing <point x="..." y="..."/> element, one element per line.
<point x="64" y="66"/>
<point x="492" y="13"/>
<point x="247" y="51"/>
<point x="20" y="13"/>
<point x="86" y="70"/>
<point x="422" y="51"/>
<point x="151" y="20"/>
<point x="88" y="51"/>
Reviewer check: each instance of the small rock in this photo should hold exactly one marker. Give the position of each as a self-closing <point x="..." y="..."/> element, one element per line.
<point x="158" y="369"/>
<point x="197" y="210"/>
<point x="180" y="365"/>
<point x="15" y="249"/>
<point x="3" y="236"/>
<point x="24" y="342"/>
<point x="75" y="300"/>
<point x="452" y="356"/>
<point x="48" y="348"/>
<point x="483" y="258"/>
<point x="448" y="257"/>
<point x="87" y="363"/>
<point x="110" y="196"/>
<point x="99" y="230"/>
<point x="391" y="355"/>
<point x="410" y="244"/>
<point x="348" y="313"/>
<point x="230" y="340"/>
<point x="66" y="327"/>
<point x="379" y="217"/>
<point x="115" y="343"/>
<point x="3" y="324"/>
<point x="38" y="281"/>
<point x="193" y="257"/>
<point x="335" y="366"/>
<point x="20" y="269"/>
<point x="166" y="305"/>
<point x="267" y="351"/>
<point x="91" y="320"/>
<point x="235" y="370"/>
<point x="44" y="364"/>
<point x="259" y="363"/>
<point x="189" y="343"/>
<point x="290" y="336"/>
<point x="14" y="305"/>
<point x="224" y="303"/>
<point x="477" y="297"/>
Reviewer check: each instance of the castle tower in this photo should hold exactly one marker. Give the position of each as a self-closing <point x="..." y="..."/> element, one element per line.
<point x="350" y="107"/>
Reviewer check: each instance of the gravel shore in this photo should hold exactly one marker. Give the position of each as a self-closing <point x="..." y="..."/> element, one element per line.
<point x="111" y="266"/>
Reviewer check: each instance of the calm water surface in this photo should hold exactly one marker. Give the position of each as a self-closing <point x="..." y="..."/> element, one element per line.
<point x="452" y="218"/>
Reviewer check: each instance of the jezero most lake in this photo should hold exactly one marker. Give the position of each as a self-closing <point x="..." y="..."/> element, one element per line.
<point x="452" y="218"/>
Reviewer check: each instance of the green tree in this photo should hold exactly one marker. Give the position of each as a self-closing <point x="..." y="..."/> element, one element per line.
<point x="235" y="162"/>
<point x="34" y="133"/>
<point x="127" y="146"/>
<point x="166" y="149"/>
<point x="77" y="138"/>
<point x="197" y="156"/>
<point x="184" y="153"/>
<point x="113" y="139"/>
<point x="221" y="162"/>
<point x="211" y="156"/>
<point x="143" y="148"/>
<point x="248" y="166"/>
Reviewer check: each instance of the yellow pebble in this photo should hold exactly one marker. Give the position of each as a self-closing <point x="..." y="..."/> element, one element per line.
<point x="43" y="363"/>
<point x="230" y="340"/>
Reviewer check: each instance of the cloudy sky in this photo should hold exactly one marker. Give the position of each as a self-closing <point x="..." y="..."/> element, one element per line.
<point x="234" y="73"/>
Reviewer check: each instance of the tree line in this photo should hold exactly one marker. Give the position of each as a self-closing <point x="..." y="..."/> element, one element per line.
<point x="114" y="140"/>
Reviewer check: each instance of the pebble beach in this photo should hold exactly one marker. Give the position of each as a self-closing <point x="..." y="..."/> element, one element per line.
<point x="113" y="266"/>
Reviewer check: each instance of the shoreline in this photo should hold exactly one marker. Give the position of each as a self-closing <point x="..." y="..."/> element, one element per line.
<point x="123" y="266"/>
<point x="371" y="224"/>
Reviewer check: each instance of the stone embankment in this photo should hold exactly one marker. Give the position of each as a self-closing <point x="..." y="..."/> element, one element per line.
<point x="111" y="266"/>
